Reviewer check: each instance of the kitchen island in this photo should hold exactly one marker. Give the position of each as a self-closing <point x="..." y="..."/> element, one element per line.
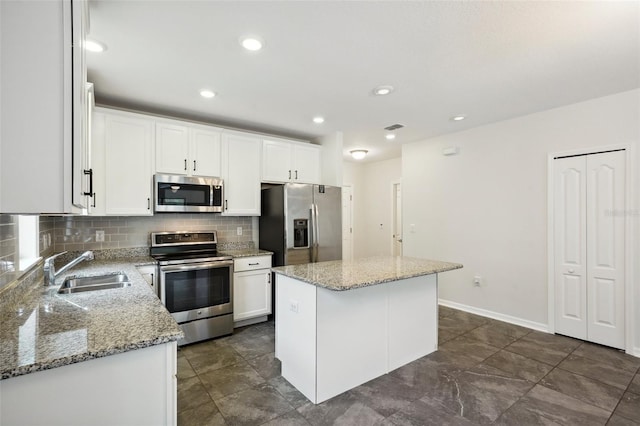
<point x="342" y="323"/>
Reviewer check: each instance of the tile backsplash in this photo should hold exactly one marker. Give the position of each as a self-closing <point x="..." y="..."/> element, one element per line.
<point x="75" y="233"/>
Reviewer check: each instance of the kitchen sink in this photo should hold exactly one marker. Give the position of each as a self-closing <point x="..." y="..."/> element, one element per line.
<point x="98" y="282"/>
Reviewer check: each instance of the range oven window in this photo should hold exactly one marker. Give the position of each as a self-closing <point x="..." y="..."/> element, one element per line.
<point x="180" y="194"/>
<point x="196" y="289"/>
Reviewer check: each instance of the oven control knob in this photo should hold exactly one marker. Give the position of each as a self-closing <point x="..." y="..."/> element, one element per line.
<point x="199" y="312"/>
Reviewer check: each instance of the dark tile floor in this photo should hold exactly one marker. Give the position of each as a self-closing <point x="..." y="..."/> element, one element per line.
<point x="484" y="372"/>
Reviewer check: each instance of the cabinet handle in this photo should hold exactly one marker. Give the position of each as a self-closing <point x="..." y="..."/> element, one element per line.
<point x="268" y="277"/>
<point x="254" y="264"/>
<point x="94" y="200"/>
<point x="90" y="173"/>
<point x="185" y="164"/>
<point x="225" y="205"/>
<point x="289" y="174"/>
<point x="194" y="165"/>
<point x="296" y="175"/>
<point x="571" y="271"/>
<point x="148" y="203"/>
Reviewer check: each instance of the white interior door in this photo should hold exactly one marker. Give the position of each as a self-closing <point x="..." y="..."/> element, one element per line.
<point x="397" y="220"/>
<point x="570" y="247"/>
<point x="347" y="223"/>
<point x="605" y="248"/>
<point x="589" y="242"/>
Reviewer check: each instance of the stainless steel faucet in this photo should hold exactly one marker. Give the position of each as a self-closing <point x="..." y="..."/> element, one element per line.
<point x="50" y="273"/>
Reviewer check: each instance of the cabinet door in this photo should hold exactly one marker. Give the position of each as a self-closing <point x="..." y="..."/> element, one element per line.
<point x="205" y="153"/>
<point x="98" y="163"/>
<point x="251" y="294"/>
<point x="241" y="154"/>
<point x="128" y="165"/>
<point x="276" y="161"/>
<point x="306" y="163"/>
<point x="172" y="147"/>
<point x="149" y="274"/>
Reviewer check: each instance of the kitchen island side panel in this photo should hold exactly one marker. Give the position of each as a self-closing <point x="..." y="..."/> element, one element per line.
<point x="296" y="333"/>
<point x="413" y="319"/>
<point x="352" y="338"/>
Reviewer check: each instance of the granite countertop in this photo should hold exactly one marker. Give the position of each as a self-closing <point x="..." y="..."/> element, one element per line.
<point x="42" y="329"/>
<point x="245" y="252"/>
<point x="351" y="274"/>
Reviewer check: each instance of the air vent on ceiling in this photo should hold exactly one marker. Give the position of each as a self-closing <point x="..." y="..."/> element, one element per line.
<point x="394" y="127"/>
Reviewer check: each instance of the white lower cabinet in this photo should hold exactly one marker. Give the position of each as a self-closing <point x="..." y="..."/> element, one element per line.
<point x="149" y="273"/>
<point x="251" y="289"/>
<point x="131" y="388"/>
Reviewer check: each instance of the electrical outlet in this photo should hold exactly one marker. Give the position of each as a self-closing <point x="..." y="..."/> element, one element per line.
<point x="293" y="306"/>
<point x="99" y="236"/>
<point x="477" y="280"/>
<point x="239" y="230"/>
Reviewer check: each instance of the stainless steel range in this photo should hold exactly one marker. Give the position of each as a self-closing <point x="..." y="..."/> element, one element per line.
<point x="195" y="283"/>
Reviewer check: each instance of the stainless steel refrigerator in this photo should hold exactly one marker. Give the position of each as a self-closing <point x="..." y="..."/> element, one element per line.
<point x="301" y="223"/>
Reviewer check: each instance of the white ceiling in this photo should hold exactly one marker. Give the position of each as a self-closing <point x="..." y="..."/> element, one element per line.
<point x="487" y="60"/>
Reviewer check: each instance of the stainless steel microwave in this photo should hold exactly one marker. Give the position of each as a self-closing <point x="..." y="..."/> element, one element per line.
<point x="175" y="193"/>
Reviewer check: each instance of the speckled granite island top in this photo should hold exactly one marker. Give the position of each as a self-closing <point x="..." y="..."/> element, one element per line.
<point x="43" y="329"/>
<point x="351" y="274"/>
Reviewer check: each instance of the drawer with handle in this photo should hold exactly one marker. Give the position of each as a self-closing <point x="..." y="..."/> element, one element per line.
<point x="250" y="263"/>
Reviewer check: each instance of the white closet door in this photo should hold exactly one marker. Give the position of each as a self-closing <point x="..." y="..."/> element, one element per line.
<point x="570" y="247"/>
<point x="605" y="248"/>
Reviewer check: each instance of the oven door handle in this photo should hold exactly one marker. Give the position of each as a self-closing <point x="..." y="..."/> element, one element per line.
<point x="197" y="266"/>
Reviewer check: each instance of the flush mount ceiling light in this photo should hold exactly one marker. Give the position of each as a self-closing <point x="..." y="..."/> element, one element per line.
<point x="390" y="136"/>
<point x="318" y="120"/>
<point x="207" y="94"/>
<point x="358" y="154"/>
<point x="382" y="90"/>
<point x="251" y="43"/>
<point x="458" y="117"/>
<point x="94" y="46"/>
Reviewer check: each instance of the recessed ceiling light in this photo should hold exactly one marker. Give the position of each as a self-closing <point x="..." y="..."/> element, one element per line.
<point x="358" y="154"/>
<point x="207" y="94"/>
<point x="390" y="136"/>
<point x="382" y="90"/>
<point x="251" y="43"/>
<point x="318" y="120"/>
<point x="94" y="46"/>
<point x="458" y="117"/>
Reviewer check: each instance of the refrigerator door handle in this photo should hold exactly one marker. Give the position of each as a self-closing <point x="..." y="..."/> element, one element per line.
<point x="316" y="232"/>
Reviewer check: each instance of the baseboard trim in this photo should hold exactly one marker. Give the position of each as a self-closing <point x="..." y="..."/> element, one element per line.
<point x="636" y="352"/>
<point x="495" y="315"/>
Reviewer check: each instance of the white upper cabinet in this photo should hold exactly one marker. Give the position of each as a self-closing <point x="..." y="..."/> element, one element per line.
<point x="172" y="148"/>
<point x="187" y="150"/>
<point x="284" y="161"/>
<point x="43" y="115"/>
<point x="241" y="156"/>
<point x="205" y="149"/>
<point x="128" y="140"/>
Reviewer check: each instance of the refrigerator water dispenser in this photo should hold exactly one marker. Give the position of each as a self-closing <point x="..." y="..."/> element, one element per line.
<point x="300" y="233"/>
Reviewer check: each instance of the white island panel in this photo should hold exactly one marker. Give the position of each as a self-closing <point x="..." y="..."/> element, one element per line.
<point x="413" y="319"/>
<point x="296" y="334"/>
<point x="332" y="341"/>
<point x="352" y="338"/>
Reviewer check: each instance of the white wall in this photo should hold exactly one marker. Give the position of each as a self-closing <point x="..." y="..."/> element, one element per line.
<point x="487" y="206"/>
<point x="372" y="205"/>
